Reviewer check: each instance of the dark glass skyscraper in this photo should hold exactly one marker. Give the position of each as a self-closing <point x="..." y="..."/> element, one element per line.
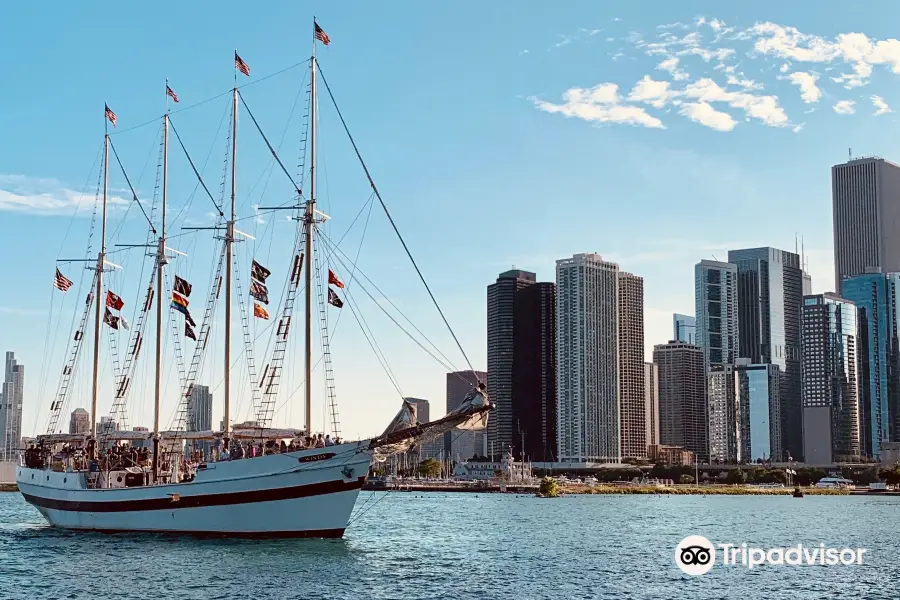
<point x="875" y="296"/>
<point x="770" y="291"/>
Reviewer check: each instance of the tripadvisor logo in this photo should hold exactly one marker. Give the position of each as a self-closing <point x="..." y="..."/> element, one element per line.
<point x="696" y="555"/>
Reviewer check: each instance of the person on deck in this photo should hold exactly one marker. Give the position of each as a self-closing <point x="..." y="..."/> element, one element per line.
<point x="328" y="440"/>
<point x="320" y="443"/>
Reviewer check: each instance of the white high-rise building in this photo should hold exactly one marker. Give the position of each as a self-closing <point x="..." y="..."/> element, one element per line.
<point x="11" y="398"/>
<point x="587" y="359"/>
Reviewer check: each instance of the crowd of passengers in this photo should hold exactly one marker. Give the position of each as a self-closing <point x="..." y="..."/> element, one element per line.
<point x="121" y="456"/>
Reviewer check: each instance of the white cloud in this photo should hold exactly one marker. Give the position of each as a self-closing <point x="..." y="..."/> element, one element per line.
<point x="599" y="104"/>
<point x="881" y="107"/>
<point x="747" y="84"/>
<point x="19" y="193"/>
<point x="763" y="108"/>
<point x="655" y="93"/>
<point x="707" y="55"/>
<point x="671" y="65"/>
<point x="784" y="68"/>
<point x="809" y="91"/>
<point x="703" y="113"/>
<point x="845" y="107"/>
<point x="859" y="77"/>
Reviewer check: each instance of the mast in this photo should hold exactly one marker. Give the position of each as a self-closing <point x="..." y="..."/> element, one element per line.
<point x="99" y="290"/>
<point x="229" y="242"/>
<point x="308" y="225"/>
<point x="160" y="291"/>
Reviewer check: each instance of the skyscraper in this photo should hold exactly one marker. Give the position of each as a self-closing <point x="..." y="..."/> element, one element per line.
<point x="758" y="387"/>
<point x="80" y="421"/>
<point x="459" y="384"/>
<point x="200" y="416"/>
<point x="865" y="195"/>
<point x="724" y="410"/>
<point x="878" y="318"/>
<point x="684" y="328"/>
<point x="682" y="396"/>
<point x="534" y="373"/>
<point x="830" y="389"/>
<point x="632" y="411"/>
<point x="770" y="290"/>
<point x="501" y="310"/>
<point x="651" y="402"/>
<point x="717" y="311"/>
<point x="11" y="399"/>
<point x="587" y="348"/>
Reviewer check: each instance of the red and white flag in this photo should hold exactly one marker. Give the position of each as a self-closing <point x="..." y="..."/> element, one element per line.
<point x="61" y="282"/>
<point x="240" y="65"/>
<point x="171" y="94"/>
<point x="321" y="35"/>
<point x="111" y="116"/>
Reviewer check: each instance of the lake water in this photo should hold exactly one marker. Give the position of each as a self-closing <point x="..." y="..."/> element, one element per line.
<point x="460" y="546"/>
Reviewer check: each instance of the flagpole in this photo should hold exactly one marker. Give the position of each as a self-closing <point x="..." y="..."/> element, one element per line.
<point x="308" y="225"/>
<point x="99" y="289"/>
<point x="160" y="290"/>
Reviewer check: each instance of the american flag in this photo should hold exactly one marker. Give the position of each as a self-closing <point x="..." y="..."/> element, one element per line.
<point x="60" y="282"/>
<point x="240" y="65"/>
<point x="171" y="94"/>
<point x="321" y="35"/>
<point x="111" y="116"/>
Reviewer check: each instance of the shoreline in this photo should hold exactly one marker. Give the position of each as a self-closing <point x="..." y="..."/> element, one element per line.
<point x="682" y="490"/>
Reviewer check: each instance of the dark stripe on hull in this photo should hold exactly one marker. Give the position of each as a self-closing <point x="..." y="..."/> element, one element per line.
<point x="199" y="501"/>
<point x="252" y="535"/>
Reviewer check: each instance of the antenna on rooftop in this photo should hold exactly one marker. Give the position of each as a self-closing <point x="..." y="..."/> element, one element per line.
<point x="849" y="154"/>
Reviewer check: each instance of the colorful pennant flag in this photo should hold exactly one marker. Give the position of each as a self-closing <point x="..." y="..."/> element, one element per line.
<point x="110" y="319"/>
<point x="61" y="282"/>
<point x="110" y="115"/>
<point x="189" y="331"/>
<point x="182" y="287"/>
<point x="259" y="291"/>
<point x="240" y="65"/>
<point x="259" y="272"/>
<point x="171" y="94"/>
<point x="321" y="35"/>
<point x="113" y="301"/>
<point x="259" y="311"/>
<point x="179" y="300"/>
<point x="333" y="279"/>
<point x="333" y="299"/>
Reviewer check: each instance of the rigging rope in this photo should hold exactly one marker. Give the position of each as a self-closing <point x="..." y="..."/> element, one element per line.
<point x="391" y="219"/>
<point x="196" y="172"/>
<point x="133" y="193"/>
<point x="271" y="149"/>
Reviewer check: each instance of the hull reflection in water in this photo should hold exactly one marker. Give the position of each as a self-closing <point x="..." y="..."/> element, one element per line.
<point x="309" y="493"/>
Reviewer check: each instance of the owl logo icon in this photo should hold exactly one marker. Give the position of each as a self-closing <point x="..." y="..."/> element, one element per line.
<point x="695" y="555"/>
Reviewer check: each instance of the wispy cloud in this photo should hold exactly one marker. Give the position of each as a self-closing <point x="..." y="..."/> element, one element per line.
<point x="881" y="107"/>
<point x="48" y="197"/>
<point x="599" y="104"/>
<point x="809" y="91"/>
<point x="703" y="113"/>
<point x="671" y="65"/>
<point x="845" y="107"/>
<point x="21" y="312"/>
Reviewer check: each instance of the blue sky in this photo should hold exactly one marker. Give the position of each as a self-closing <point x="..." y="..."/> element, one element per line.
<point x="500" y="134"/>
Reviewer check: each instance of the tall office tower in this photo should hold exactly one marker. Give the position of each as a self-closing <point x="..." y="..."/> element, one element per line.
<point x="770" y="292"/>
<point x="651" y="401"/>
<point x="534" y="373"/>
<point x="865" y="196"/>
<point x="108" y="424"/>
<point x="632" y="411"/>
<point x="758" y="388"/>
<point x="829" y="380"/>
<point x="807" y="284"/>
<point x="80" y="421"/>
<point x="878" y="319"/>
<point x="459" y="384"/>
<point x="423" y="409"/>
<point x="717" y="311"/>
<point x="501" y="309"/>
<point x="682" y="397"/>
<point x="684" y="328"/>
<point x="587" y="348"/>
<point x="200" y="415"/>
<point x="724" y="409"/>
<point x="11" y="399"/>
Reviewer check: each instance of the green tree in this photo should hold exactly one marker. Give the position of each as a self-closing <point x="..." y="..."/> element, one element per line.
<point x="891" y="476"/>
<point x="549" y="488"/>
<point x="430" y="468"/>
<point x="736" y="476"/>
<point x="686" y="479"/>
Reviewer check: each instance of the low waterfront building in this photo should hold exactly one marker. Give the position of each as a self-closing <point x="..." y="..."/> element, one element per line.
<point x="671" y="456"/>
<point x="507" y="469"/>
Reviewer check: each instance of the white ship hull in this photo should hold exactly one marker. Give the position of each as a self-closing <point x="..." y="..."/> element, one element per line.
<point x="310" y="493"/>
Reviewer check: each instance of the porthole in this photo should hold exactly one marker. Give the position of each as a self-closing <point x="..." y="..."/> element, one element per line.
<point x="48" y="478"/>
<point x="119" y="479"/>
<point x="32" y="475"/>
<point x="64" y="479"/>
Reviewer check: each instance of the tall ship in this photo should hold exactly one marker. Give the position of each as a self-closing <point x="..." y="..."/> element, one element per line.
<point x="247" y="479"/>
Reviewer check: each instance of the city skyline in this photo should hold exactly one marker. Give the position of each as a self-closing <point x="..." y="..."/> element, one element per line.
<point x="678" y="172"/>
